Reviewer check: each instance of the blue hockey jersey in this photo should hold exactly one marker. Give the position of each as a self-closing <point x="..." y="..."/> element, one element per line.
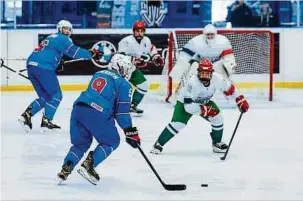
<point x="50" y="51"/>
<point x="110" y="94"/>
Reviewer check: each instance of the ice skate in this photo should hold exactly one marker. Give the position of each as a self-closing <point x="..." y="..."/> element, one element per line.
<point x="87" y="169"/>
<point x="47" y="125"/>
<point x="157" y="149"/>
<point x="25" y="120"/>
<point x="65" y="171"/>
<point x="135" y="111"/>
<point x="219" y="147"/>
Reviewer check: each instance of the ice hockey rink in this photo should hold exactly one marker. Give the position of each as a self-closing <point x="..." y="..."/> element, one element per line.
<point x="265" y="161"/>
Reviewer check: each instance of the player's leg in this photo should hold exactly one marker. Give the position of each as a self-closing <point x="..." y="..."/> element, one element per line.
<point x="217" y="130"/>
<point x="139" y="81"/>
<point x="81" y="140"/>
<point x="179" y="121"/>
<point x="50" y="84"/>
<point x="37" y="104"/>
<point x="102" y="127"/>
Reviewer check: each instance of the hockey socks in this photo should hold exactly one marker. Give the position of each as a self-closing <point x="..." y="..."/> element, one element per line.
<point x="167" y="134"/>
<point x="138" y="96"/>
<point x="216" y="135"/>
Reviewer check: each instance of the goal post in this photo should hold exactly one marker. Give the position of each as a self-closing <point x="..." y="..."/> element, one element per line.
<point x="253" y="49"/>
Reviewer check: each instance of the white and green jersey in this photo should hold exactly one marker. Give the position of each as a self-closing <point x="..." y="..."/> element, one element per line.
<point x="130" y="46"/>
<point x="195" y="89"/>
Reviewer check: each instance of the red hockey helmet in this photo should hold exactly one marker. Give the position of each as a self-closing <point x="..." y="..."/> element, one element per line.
<point x="139" y="25"/>
<point x="205" y="70"/>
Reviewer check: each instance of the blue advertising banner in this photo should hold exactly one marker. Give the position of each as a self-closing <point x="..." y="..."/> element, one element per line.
<point x="132" y="12"/>
<point x="104" y="11"/>
<point x="124" y="13"/>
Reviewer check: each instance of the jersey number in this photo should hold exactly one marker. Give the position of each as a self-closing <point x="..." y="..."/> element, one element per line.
<point x="41" y="46"/>
<point x="99" y="84"/>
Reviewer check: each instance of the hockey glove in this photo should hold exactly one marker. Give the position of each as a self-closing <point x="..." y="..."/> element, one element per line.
<point x="158" y="61"/>
<point x="96" y="54"/>
<point x="139" y="62"/>
<point x="208" y="111"/>
<point x="132" y="136"/>
<point x="242" y="103"/>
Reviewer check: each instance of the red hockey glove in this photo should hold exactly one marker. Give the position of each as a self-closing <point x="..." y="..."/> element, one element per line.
<point x="208" y="111"/>
<point x="139" y="62"/>
<point x="96" y="54"/>
<point x="158" y="61"/>
<point x="242" y="103"/>
<point x="132" y="136"/>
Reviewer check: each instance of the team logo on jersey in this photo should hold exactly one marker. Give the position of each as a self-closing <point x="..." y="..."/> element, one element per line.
<point x="153" y="15"/>
<point x="108" y="49"/>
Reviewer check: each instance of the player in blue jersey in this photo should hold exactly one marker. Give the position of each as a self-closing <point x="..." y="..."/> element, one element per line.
<point x="107" y="98"/>
<point x="41" y="66"/>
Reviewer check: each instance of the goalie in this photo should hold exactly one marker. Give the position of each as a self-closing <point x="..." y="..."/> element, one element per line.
<point x="195" y="99"/>
<point x="208" y="45"/>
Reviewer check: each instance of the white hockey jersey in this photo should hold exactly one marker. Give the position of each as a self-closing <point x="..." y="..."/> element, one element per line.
<point x="195" y="89"/>
<point x="198" y="46"/>
<point x="219" y="51"/>
<point x="131" y="47"/>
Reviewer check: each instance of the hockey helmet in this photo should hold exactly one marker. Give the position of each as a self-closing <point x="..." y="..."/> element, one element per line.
<point x="123" y="65"/>
<point x="205" y="70"/>
<point x="139" y="25"/>
<point x="210" y="33"/>
<point x="66" y="24"/>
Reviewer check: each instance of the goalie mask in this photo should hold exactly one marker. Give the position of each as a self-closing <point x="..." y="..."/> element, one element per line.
<point x="209" y="33"/>
<point x="205" y="71"/>
<point x="123" y="65"/>
<point x="65" y="27"/>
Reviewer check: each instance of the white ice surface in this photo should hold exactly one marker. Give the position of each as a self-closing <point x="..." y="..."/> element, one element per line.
<point x="265" y="161"/>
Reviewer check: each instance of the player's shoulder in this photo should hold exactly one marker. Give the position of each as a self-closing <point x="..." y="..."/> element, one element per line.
<point x="222" y="39"/>
<point x="217" y="77"/>
<point x="146" y="39"/>
<point x="127" y="38"/>
<point x="61" y="37"/>
<point x="197" y="38"/>
<point x="196" y="41"/>
<point x="108" y="74"/>
<point x="193" y="80"/>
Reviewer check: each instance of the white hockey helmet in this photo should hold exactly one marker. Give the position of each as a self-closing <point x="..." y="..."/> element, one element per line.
<point x="210" y="33"/>
<point x="123" y="65"/>
<point x="65" y="23"/>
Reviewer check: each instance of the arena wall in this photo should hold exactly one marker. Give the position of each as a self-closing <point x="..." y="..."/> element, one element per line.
<point x="20" y="43"/>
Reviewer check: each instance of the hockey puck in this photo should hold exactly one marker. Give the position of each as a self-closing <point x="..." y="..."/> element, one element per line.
<point x="204" y="185"/>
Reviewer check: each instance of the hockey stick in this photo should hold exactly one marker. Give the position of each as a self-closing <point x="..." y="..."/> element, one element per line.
<point x="232" y="137"/>
<point x="17" y="72"/>
<point x="74" y="60"/>
<point x="14" y="59"/>
<point x="169" y="187"/>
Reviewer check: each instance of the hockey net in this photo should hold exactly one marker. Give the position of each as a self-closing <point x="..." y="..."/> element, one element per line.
<point x="254" y="53"/>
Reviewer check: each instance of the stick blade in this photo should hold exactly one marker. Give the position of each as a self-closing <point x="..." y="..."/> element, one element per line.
<point x="222" y="158"/>
<point x="175" y="187"/>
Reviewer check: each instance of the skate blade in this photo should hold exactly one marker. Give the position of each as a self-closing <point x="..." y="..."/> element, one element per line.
<point x="86" y="176"/>
<point x="219" y="151"/>
<point x="47" y="130"/>
<point x="133" y="114"/>
<point x="156" y="152"/>
<point x="61" y="182"/>
<point x="25" y="127"/>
